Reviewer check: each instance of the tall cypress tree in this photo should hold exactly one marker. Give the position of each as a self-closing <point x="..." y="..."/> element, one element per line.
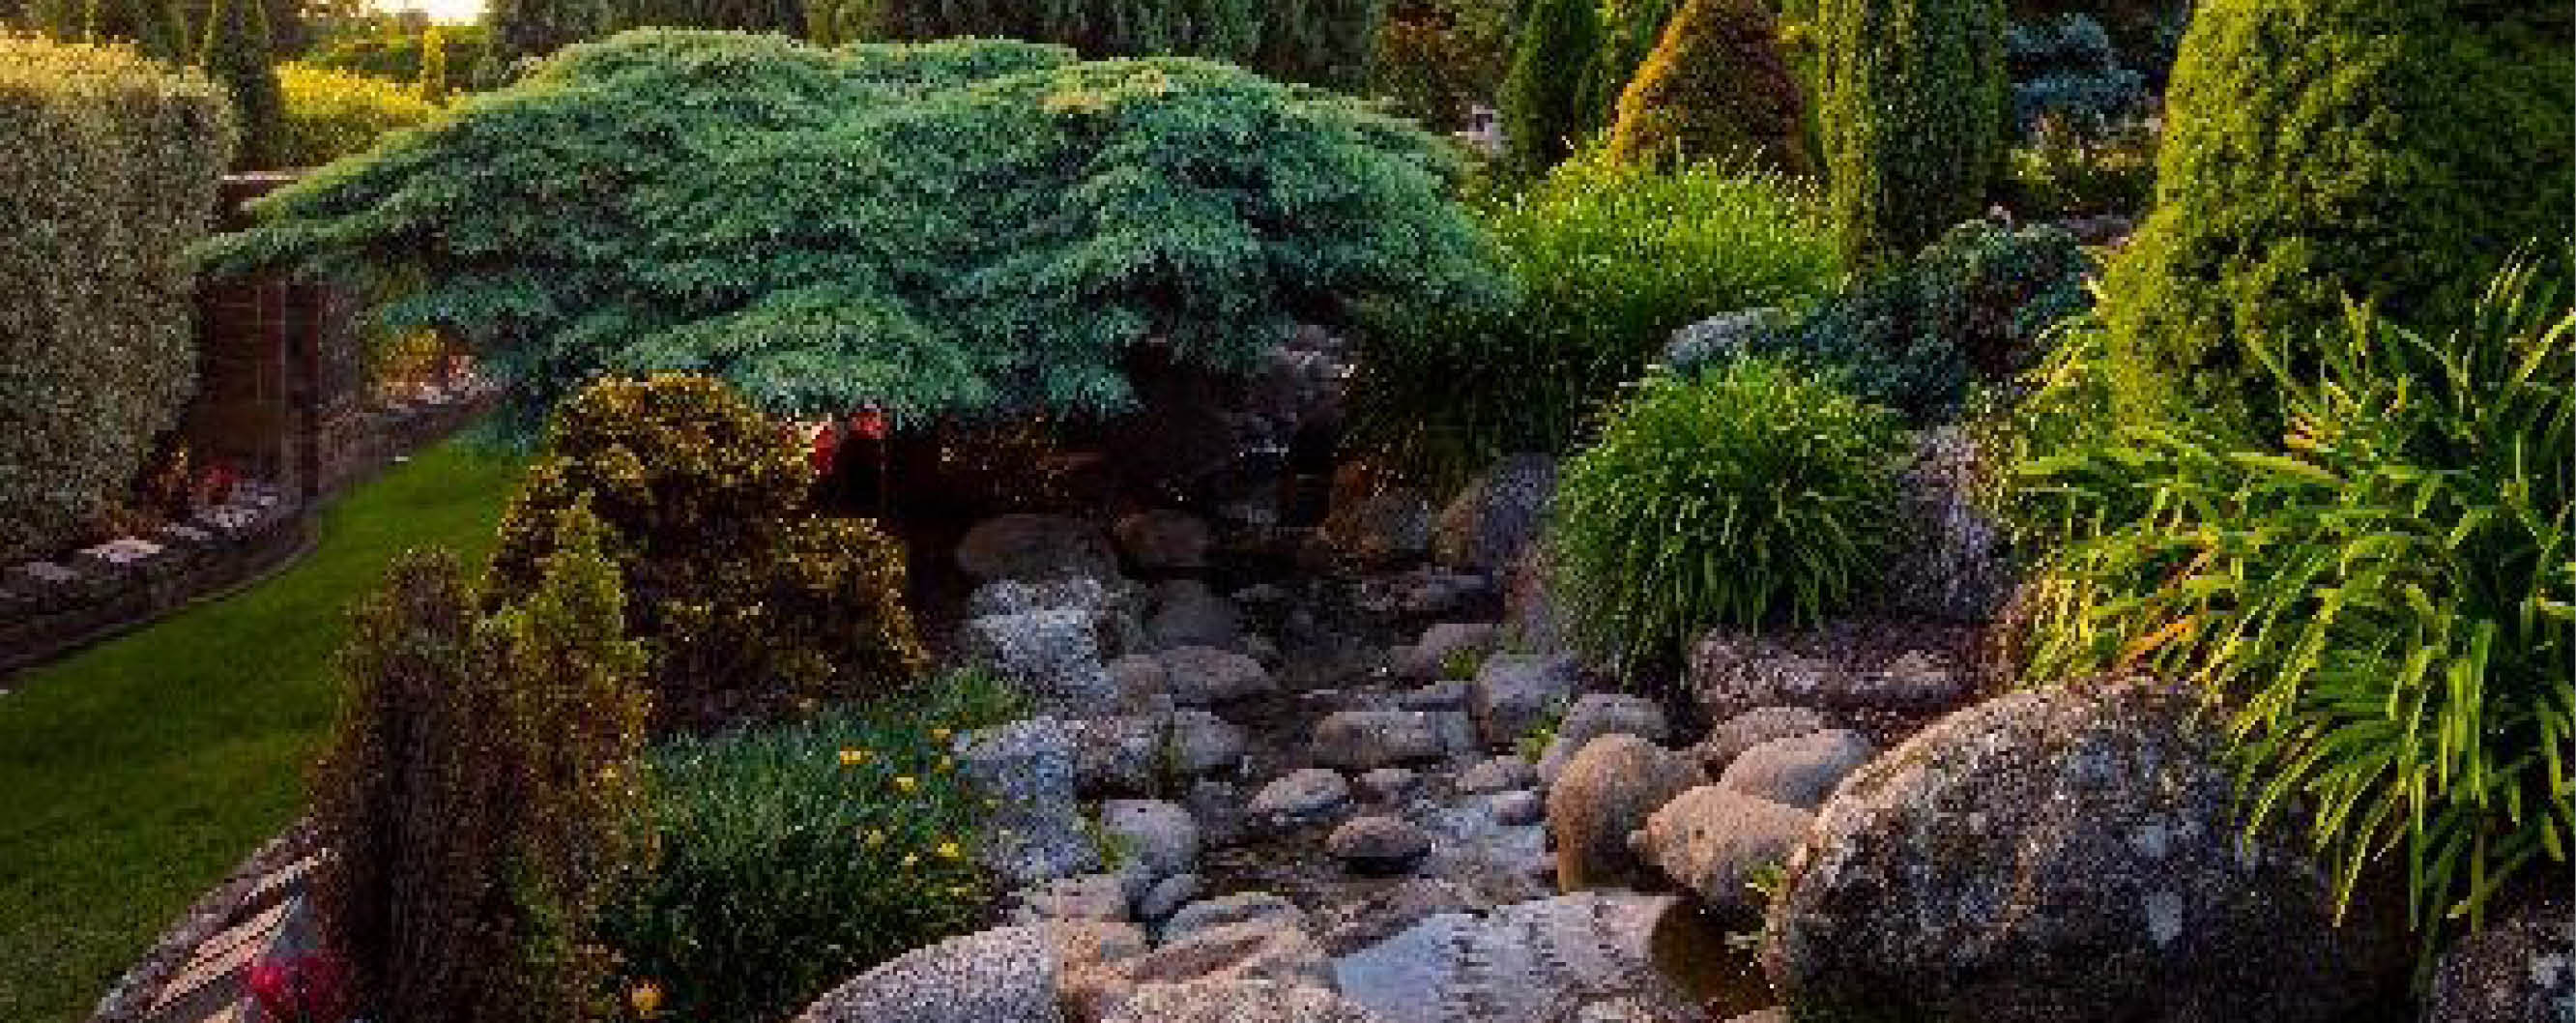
<point x="1913" y="95"/>
<point x="1544" y="107"/>
<point x="236" y="53"/>
<point x="433" y="65"/>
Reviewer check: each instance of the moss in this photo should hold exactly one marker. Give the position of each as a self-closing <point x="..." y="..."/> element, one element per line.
<point x="1717" y="86"/>
<point x="2392" y="151"/>
<point x="1913" y="95"/>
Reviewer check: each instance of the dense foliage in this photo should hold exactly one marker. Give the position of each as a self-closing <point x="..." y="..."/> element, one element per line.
<point x="332" y="114"/>
<point x="2384" y="599"/>
<point x="1751" y="495"/>
<point x="2063" y="69"/>
<point x="1715" y="87"/>
<point x="1547" y="101"/>
<point x="947" y="228"/>
<point x="2061" y="172"/>
<point x="1913" y="95"/>
<point x="1611" y="261"/>
<point x="748" y="601"/>
<point x="1438" y="58"/>
<point x="1630" y="31"/>
<point x="237" y="52"/>
<point x="796" y="857"/>
<point x="485" y="791"/>
<point x="401" y="54"/>
<point x="1318" y="42"/>
<point x="1973" y="308"/>
<point x="2391" y="151"/>
<point x="112" y="176"/>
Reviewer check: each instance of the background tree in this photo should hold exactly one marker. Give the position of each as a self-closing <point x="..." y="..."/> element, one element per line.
<point x="1913" y="95"/>
<point x="433" y="65"/>
<point x="236" y="53"/>
<point x="151" y="25"/>
<point x="1545" y="113"/>
<point x="1438" y="58"/>
<point x="1630" y="30"/>
<point x="2391" y="151"/>
<point x="1717" y="86"/>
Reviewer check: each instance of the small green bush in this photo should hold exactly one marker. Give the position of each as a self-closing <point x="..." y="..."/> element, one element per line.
<point x="485" y="791"/>
<point x="1611" y="261"/>
<point x="332" y="114"/>
<point x="747" y="599"/>
<point x="797" y="856"/>
<point x="1913" y="96"/>
<point x="1548" y="107"/>
<point x="2381" y="599"/>
<point x="1715" y="87"/>
<point x="2391" y="151"/>
<point x="112" y="175"/>
<point x="2061" y="173"/>
<point x="1752" y="495"/>
<point x="239" y="52"/>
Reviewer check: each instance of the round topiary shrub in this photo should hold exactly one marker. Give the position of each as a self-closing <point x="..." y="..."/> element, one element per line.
<point x="2390" y="151"/>
<point x="746" y="599"/>
<point x="1914" y="97"/>
<point x="1752" y="495"/>
<point x="1715" y="86"/>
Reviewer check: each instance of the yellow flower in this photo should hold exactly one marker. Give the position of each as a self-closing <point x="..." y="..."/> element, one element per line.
<point x="647" y="999"/>
<point x="949" y="851"/>
<point x="947" y="764"/>
<point x="941" y="734"/>
<point x="876" y="837"/>
<point x="911" y="858"/>
<point x="853" y="757"/>
<point x="905" y="782"/>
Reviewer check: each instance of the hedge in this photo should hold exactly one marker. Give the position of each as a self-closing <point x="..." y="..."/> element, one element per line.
<point x="113" y="174"/>
<point x="332" y="114"/>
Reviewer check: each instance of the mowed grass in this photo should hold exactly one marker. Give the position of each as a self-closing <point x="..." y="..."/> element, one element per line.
<point x="135" y="774"/>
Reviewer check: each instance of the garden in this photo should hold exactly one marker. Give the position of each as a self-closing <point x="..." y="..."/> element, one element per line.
<point x="1205" y="511"/>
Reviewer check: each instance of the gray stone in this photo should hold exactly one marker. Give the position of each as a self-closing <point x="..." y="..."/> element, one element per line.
<point x="1950" y="562"/>
<point x="1240" y="907"/>
<point x="1157" y="838"/>
<point x="1005" y="975"/>
<point x="1140" y="681"/>
<point x="1798" y="772"/>
<point x="1187" y="614"/>
<point x="1723" y="338"/>
<point x="1037" y="831"/>
<point x="1595" y="715"/>
<point x="1752" y="728"/>
<point x="1517" y="808"/>
<point x="1305" y="796"/>
<point x="1200" y="676"/>
<point x="1429" y="660"/>
<point x="1238" y="1001"/>
<point x="1436" y="594"/>
<point x="1731" y="673"/>
<point x="2520" y="967"/>
<point x="1528" y="962"/>
<point x="1446" y="695"/>
<point x="1389" y="784"/>
<point x="1378" y="845"/>
<point x="1514" y="693"/>
<point x="1164" y="539"/>
<point x="1203" y="743"/>
<point x="1363" y="739"/>
<point x="2068" y="853"/>
<point x="1050" y="656"/>
<point x="1380" y="527"/>
<point x="1097" y="897"/>
<point x="1712" y="840"/>
<point x="1531" y="617"/>
<point x="1168" y="896"/>
<point x="1024" y="546"/>
<point x="1497" y="774"/>
<point x="1261" y="949"/>
<point x="1605" y="793"/>
<point x="1382" y="911"/>
<point x="1497" y="516"/>
<point x="1119" y="755"/>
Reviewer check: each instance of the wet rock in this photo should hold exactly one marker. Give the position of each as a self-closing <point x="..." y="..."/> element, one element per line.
<point x="1188" y="614"/>
<point x="1200" y="676"/>
<point x="1515" y="809"/>
<point x="1238" y="1001"/>
<point x="1514" y="693"/>
<point x="1390" y="784"/>
<point x="1385" y="911"/>
<point x="1158" y="838"/>
<point x="1240" y="907"/>
<point x="1119" y="755"/>
<point x="1606" y="792"/>
<point x="1165" y="539"/>
<point x="1363" y="739"/>
<point x="1712" y="840"/>
<point x="1798" y="772"/>
<point x="1167" y="896"/>
<point x="1036" y="547"/>
<point x="1027" y="767"/>
<point x="2521" y="966"/>
<point x="1497" y="516"/>
<point x="2069" y="853"/>
<point x="1203" y="743"/>
<point x="1752" y="728"/>
<point x="1378" y="845"/>
<point x="1446" y="695"/>
<point x="1437" y="594"/>
<point x="1005" y="975"/>
<point x="1440" y="647"/>
<point x="1528" y="962"/>
<point x="1306" y="796"/>
<point x="1052" y="657"/>
<point x="1497" y="774"/>
<point x="1595" y="715"/>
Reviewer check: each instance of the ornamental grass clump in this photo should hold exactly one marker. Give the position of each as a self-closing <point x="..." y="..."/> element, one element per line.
<point x="2382" y="599"/>
<point x="1754" y="495"/>
<point x="797" y="856"/>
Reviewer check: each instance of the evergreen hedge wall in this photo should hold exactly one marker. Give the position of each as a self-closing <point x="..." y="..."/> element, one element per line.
<point x="113" y="168"/>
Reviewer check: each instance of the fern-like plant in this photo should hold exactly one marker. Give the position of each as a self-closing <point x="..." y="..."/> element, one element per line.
<point x="2383" y="601"/>
<point x="1752" y="495"/>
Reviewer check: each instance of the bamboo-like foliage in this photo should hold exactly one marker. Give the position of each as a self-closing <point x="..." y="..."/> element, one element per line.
<point x="2383" y="602"/>
<point x="1750" y="496"/>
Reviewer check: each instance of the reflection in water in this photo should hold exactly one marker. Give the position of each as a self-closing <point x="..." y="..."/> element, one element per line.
<point x="1691" y="950"/>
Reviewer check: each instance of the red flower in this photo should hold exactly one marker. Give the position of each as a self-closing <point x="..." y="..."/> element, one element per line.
<point x="301" y="987"/>
<point x="869" y="422"/>
<point x="827" y="449"/>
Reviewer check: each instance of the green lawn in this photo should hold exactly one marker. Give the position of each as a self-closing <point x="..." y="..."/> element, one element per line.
<point x="135" y="774"/>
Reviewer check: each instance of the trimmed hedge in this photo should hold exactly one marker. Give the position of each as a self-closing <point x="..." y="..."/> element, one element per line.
<point x="113" y="168"/>
<point x="2390" y="151"/>
<point x="332" y="114"/>
<point x="1913" y="93"/>
<point x="1717" y="86"/>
